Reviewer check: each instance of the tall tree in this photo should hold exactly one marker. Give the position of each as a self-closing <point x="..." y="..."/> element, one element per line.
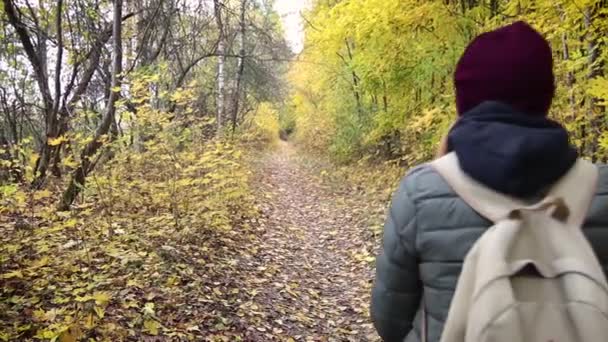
<point x="240" y="65"/>
<point x="86" y="165"/>
<point x="221" y="65"/>
<point x="38" y="61"/>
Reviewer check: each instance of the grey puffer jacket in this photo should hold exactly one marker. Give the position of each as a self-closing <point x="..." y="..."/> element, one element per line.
<point x="427" y="234"/>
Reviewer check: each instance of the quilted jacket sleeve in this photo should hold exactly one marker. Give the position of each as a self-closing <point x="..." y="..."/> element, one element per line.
<point x="397" y="289"/>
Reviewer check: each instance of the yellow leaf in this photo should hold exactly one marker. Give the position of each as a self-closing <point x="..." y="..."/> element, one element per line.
<point x="90" y="322"/>
<point x="134" y="283"/>
<point x="172" y="280"/>
<point x="71" y="223"/>
<point x="45" y="334"/>
<point x="38" y="195"/>
<point x="33" y="158"/>
<point x="56" y="141"/>
<point x="25" y="327"/>
<point x="102" y="298"/>
<point x="70" y="335"/>
<point x="39" y="315"/>
<point x="69" y="162"/>
<point x="78" y="291"/>
<point x="151" y="326"/>
<point x="13" y="274"/>
<point x="99" y="311"/>
<point x="148" y="309"/>
<point x="40" y="262"/>
<point x="50" y="315"/>
<point x="61" y="300"/>
<point x="83" y="299"/>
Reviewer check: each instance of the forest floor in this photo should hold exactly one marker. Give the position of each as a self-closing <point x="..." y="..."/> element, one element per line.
<point x="299" y="269"/>
<point x="315" y="260"/>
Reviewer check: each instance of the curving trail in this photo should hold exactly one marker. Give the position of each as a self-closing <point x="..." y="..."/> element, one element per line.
<point x="312" y="271"/>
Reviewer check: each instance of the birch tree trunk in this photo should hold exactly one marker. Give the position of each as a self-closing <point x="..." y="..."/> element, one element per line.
<point x="221" y="64"/>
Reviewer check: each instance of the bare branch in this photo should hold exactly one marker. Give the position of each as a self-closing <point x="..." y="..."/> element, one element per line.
<point x="34" y="59"/>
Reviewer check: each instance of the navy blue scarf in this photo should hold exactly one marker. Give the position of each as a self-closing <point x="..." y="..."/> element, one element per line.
<point x="509" y="151"/>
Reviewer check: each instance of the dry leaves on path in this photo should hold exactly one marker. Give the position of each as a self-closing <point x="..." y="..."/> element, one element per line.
<point x="312" y="275"/>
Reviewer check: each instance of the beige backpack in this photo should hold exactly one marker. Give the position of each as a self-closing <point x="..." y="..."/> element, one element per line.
<point x="532" y="277"/>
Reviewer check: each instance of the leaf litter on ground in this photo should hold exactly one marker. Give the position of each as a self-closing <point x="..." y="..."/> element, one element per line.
<point x="298" y="268"/>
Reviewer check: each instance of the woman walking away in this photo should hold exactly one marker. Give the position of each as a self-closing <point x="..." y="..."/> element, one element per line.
<point x="504" y="141"/>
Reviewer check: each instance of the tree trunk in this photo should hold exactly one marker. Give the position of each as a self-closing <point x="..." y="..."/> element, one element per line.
<point x="569" y="75"/>
<point x="79" y="175"/>
<point x="46" y="150"/>
<point x="384" y="97"/>
<point x="37" y="58"/>
<point x="221" y="64"/>
<point x="68" y="106"/>
<point x="240" y="66"/>
<point x="355" y="80"/>
<point x="56" y="150"/>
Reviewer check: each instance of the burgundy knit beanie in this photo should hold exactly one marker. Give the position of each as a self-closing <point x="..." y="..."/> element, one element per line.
<point x="512" y="64"/>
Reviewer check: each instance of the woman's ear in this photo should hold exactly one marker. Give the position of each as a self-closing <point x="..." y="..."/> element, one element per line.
<point x="444" y="146"/>
<point x="442" y="149"/>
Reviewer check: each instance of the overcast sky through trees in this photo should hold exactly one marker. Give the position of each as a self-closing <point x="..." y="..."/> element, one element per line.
<point x="292" y="22"/>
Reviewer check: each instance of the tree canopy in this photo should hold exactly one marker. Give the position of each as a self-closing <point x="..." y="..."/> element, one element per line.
<point x="375" y="77"/>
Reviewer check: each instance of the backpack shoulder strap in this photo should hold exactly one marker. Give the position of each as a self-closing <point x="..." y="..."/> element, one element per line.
<point x="577" y="188"/>
<point x="490" y="204"/>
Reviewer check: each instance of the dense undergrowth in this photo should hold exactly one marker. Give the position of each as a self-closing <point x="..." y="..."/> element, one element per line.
<point x="142" y="253"/>
<point x="150" y="243"/>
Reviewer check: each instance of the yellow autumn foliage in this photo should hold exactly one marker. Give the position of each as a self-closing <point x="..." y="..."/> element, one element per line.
<point x="263" y="125"/>
<point x="372" y="70"/>
<point x="156" y="210"/>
